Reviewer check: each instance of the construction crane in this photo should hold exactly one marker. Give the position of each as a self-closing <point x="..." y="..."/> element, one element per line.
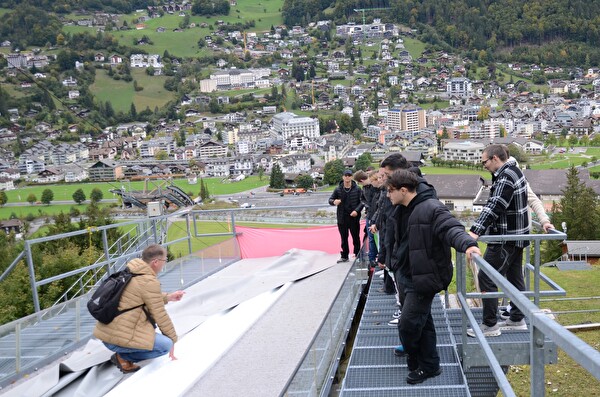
<point x="363" y="15"/>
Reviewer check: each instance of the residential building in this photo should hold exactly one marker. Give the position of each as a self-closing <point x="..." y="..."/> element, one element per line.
<point x="459" y="86"/>
<point x="406" y="118"/>
<point x="288" y="124"/>
<point x="463" y="151"/>
<point x="105" y="170"/>
<point x="212" y="149"/>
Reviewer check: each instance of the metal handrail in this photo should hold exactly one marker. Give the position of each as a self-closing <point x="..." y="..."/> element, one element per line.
<point x="541" y="326"/>
<point x="86" y="279"/>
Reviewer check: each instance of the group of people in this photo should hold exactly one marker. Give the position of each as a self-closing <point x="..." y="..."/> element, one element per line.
<point x="416" y="233"/>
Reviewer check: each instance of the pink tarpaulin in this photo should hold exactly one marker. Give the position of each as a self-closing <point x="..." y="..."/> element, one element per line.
<point x="258" y="243"/>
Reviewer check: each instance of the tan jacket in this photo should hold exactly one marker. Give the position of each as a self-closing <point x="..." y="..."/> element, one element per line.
<point x="132" y="329"/>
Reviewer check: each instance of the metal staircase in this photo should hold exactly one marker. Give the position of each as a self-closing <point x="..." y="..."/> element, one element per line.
<point x="374" y="370"/>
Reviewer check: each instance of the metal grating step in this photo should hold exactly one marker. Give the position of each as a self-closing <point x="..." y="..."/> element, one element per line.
<point x="374" y="370"/>
<point x="395" y="377"/>
<point x="444" y="391"/>
<point x="384" y="356"/>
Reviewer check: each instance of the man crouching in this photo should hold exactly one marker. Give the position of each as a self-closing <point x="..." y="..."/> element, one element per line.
<point x="132" y="335"/>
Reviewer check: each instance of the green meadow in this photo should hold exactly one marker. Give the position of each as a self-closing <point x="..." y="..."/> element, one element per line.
<point x="265" y="13"/>
<point x="216" y="186"/>
<point x="121" y="93"/>
<point x="40" y="210"/>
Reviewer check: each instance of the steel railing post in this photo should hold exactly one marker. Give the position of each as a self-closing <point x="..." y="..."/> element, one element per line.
<point x="189" y="233"/>
<point x="536" y="354"/>
<point x="536" y="274"/>
<point x="105" y="248"/>
<point x="34" y="291"/>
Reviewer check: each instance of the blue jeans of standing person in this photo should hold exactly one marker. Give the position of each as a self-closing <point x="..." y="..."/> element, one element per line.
<point x="507" y="259"/>
<point x="162" y="345"/>
<point x="372" y="246"/>
<point x="417" y="332"/>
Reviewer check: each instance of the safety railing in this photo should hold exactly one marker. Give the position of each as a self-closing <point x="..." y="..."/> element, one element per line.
<point x="541" y="325"/>
<point x="40" y="338"/>
<point x="315" y="372"/>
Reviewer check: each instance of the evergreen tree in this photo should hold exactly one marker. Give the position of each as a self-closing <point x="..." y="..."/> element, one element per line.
<point x="47" y="196"/>
<point x="96" y="195"/>
<point x="132" y="111"/>
<point x="203" y="190"/>
<point x="579" y="209"/>
<point x="277" y="180"/>
<point x="355" y="121"/>
<point x="79" y="196"/>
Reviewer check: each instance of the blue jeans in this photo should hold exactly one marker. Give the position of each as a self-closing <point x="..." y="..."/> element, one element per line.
<point x="162" y="345"/>
<point x="372" y="245"/>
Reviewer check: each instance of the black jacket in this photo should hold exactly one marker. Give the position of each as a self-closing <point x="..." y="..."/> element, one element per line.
<point x="399" y="246"/>
<point x="384" y="220"/>
<point x="369" y="197"/>
<point x="431" y="232"/>
<point x="350" y="202"/>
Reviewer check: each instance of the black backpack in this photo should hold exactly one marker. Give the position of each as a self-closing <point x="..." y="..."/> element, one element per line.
<point x="104" y="304"/>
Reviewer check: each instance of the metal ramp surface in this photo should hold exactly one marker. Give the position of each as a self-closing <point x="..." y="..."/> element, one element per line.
<point x="43" y="341"/>
<point x="374" y="370"/>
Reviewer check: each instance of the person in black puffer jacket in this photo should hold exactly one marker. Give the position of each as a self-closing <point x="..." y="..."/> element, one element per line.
<point x="347" y="199"/>
<point x="425" y="267"/>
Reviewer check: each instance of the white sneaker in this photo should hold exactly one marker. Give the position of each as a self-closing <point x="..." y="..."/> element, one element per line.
<point x="379" y="273"/>
<point x="396" y="314"/>
<point x="486" y="329"/>
<point x="505" y="315"/>
<point x="393" y="322"/>
<point x="509" y="325"/>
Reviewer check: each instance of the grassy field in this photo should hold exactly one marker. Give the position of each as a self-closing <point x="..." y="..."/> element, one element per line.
<point x="121" y="93"/>
<point x="430" y="170"/>
<point x="64" y="192"/>
<point x="566" y="378"/>
<point x="216" y="186"/>
<point x="414" y="47"/>
<point x="265" y="13"/>
<point x="40" y="210"/>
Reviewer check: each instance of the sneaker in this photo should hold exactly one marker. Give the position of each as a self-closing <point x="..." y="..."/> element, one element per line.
<point x="510" y="325"/>
<point x="393" y="322"/>
<point x="396" y="314"/>
<point x="342" y="259"/>
<point x="379" y="273"/>
<point x="399" y="351"/>
<point x="504" y="314"/>
<point x="418" y="376"/>
<point x="487" y="330"/>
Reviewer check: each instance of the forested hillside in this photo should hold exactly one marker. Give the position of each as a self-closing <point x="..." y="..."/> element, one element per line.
<point x="542" y="31"/>
<point x="67" y="6"/>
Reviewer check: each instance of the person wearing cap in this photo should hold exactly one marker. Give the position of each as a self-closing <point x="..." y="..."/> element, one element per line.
<point x="346" y="197"/>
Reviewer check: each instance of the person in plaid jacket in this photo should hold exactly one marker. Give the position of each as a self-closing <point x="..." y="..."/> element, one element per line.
<point x="505" y="213"/>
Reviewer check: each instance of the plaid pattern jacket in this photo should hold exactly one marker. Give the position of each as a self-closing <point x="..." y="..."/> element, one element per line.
<point x="506" y="210"/>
